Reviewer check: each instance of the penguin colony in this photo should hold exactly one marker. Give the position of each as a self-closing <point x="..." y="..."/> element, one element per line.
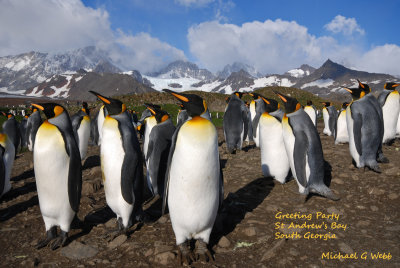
<point x="182" y="162"/>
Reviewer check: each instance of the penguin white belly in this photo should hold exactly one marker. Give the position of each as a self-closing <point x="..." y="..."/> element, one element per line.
<point x="289" y="140"/>
<point x="84" y="134"/>
<point x="193" y="192"/>
<point x="100" y="121"/>
<point x="342" y="135"/>
<point x="311" y="113"/>
<point x="8" y="158"/>
<point x="252" y="109"/>
<point x="352" y="146"/>
<point x="257" y="137"/>
<point x="274" y="160"/>
<point x="150" y="123"/>
<point x="325" y="114"/>
<point x="51" y="165"/>
<point x="30" y="142"/>
<point x="391" y="110"/>
<point x="112" y="157"/>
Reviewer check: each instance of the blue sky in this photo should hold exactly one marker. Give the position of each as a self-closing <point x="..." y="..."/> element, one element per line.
<point x="272" y="36"/>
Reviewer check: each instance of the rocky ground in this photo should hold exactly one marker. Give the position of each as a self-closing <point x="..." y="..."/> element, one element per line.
<point x="245" y="231"/>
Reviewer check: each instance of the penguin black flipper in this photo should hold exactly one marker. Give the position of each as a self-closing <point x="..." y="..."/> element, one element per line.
<point x="171" y="154"/>
<point x="221" y="185"/>
<point x="94" y="131"/>
<point x="357" y="123"/>
<point x="2" y="170"/>
<point x="76" y="121"/>
<point x="245" y="119"/>
<point x="299" y="154"/>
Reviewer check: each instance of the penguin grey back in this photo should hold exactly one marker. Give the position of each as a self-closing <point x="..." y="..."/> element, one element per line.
<point x="332" y="119"/>
<point x="11" y="128"/>
<point x="235" y="123"/>
<point x="34" y="122"/>
<point x="260" y="108"/>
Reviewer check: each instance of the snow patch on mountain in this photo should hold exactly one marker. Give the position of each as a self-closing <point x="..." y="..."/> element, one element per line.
<point x="298" y="73"/>
<point x="319" y="83"/>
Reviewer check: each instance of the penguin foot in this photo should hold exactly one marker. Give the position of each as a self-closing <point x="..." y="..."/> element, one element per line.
<point x="60" y="241"/>
<point x="376" y="168"/>
<point x="382" y="159"/>
<point x="202" y="252"/>
<point x="185" y="256"/>
<point x="50" y="235"/>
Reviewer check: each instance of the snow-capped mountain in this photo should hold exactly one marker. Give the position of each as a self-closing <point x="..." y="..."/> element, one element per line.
<point x="183" y="69"/>
<point x="237" y="67"/>
<point x="27" y="70"/>
<point x="303" y="70"/>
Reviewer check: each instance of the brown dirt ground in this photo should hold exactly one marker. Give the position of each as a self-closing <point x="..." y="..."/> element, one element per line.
<point x="244" y="233"/>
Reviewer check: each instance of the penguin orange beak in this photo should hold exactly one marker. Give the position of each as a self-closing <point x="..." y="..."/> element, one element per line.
<point x="281" y="97"/>
<point x="102" y="98"/>
<point x="38" y="106"/>
<point x="176" y="95"/>
<point x="265" y="100"/>
<point x="361" y="85"/>
<point x="348" y="89"/>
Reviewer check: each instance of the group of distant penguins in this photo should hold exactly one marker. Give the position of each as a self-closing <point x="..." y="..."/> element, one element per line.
<point x="182" y="162"/>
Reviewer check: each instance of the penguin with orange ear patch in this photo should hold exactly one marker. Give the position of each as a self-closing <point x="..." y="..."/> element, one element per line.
<point x="58" y="173"/>
<point x="389" y="99"/>
<point x="34" y="122"/>
<point x="81" y="126"/>
<point x="121" y="163"/>
<point x="160" y="140"/>
<point x="11" y="128"/>
<point x="304" y="149"/>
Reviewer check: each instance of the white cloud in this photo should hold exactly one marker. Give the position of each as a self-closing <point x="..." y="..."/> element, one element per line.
<point x="60" y="25"/>
<point x="195" y="3"/>
<point x="277" y="46"/>
<point x="347" y="26"/>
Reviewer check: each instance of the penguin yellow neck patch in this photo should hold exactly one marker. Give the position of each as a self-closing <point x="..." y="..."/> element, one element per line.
<point x="3" y="138"/>
<point x="164" y="118"/>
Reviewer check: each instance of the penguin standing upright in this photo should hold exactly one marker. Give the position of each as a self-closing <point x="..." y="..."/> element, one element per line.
<point x="160" y="140"/>
<point x="58" y="173"/>
<point x="274" y="160"/>
<point x="311" y="110"/>
<point x="194" y="187"/>
<point x="259" y="110"/>
<point x="100" y="116"/>
<point x="11" y="128"/>
<point x="341" y="134"/>
<point x="304" y="149"/>
<point x="389" y="99"/>
<point x="249" y="136"/>
<point x="81" y="126"/>
<point x="121" y="163"/>
<point x="330" y="116"/>
<point x="364" y="129"/>
<point x="149" y="121"/>
<point x="23" y="125"/>
<point x="7" y="155"/>
<point x="34" y="122"/>
<point x="235" y="123"/>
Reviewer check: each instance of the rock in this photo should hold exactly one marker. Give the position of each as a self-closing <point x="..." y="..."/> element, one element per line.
<point x="164" y="258"/>
<point x="148" y="252"/>
<point x="271" y="252"/>
<point x="250" y="231"/>
<point x="162" y="248"/>
<point x="294" y="252"/>
<point x="374" y="208"/>
<point x="393" y="196"/>
<point x="78" y="251"/>
<point x="163" y="219"/>
<point x="334" y="210"/>
<point x="338" y="181"/>
<point x="90" y="187"/>
<point x="119" y="240"/>
<point x="393" y="171"/>
<point x="224" y="242"/>
<point x="362" y="223"/>
<point x="271" y="208"/>
<point x="95" y="172"/>
<point x="110" y="224"/>
<point x="345" y="248"/>
<point x="376" y="191"/>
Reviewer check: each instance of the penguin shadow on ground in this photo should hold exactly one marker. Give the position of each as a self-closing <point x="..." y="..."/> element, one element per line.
<point x="15" y="192"/>
<point x="8" y="213"/>
<point x="25" y="175"/>
<point x="236" y="205"/>
<point x="91" y="162"/>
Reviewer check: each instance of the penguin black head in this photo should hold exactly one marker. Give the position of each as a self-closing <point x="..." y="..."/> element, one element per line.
<point x="309" y="103"/>
<point x="356" y="93"/>
<point x="51" y="110"/>
<point x="344" y="105"/>
<point x="364" y="87"/>
<point x="227" y="99"/>
<point x="152" y="107"/>
<point x="113" y="106"/>
<point x="194" y="105"/>
<point x="159" y="114"/>
<point x="291" y="104"/>
<point x="238" y="94"/>
<point x="326" y="104"/>
<point x="85" y="108"/>
<point x="271" y="105"/>
<point x="255" y="95"/>
<point x="391" y="86"/>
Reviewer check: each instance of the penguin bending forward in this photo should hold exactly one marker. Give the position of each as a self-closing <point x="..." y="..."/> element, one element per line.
<point x="235" y="123"/>
<point x="81" y="126"/>
<point x="304" y="150"/>
<point x="274" y="160"/>
<point x="58" y="173"/>
<point x="7" y="155"/>
<point x="194" y="185"/>
<point x="121" y="163"/>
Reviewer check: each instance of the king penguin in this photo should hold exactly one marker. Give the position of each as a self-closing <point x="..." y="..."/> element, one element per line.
<point x="81" y="126"/>
<point x="259" y="110"/>
<point x="235" y="123"/>
<point x="182" y="116"/>
<point x="274" y="160"/>
<point x="330" y="116"/>
<point x="149" y="121"/>
<point x="194" y="186"/>
<point x="121" y="163"/>
<point x="311" y="110"/>
<point x="34" y="122"/>
<point x="389" y="99"/>
<point x="341" y="134"/>
<point x="363" y="127"/>
<point x="304" y="149"/>
<point x="58" y="173"/>
<point x="11" y="128"/>
<point x="7" y="155"/>
<point x="249" y="136"/>
<point x="160" y="139"/>
<point x="99" y="119"/>
<point x="22" y="131"/>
